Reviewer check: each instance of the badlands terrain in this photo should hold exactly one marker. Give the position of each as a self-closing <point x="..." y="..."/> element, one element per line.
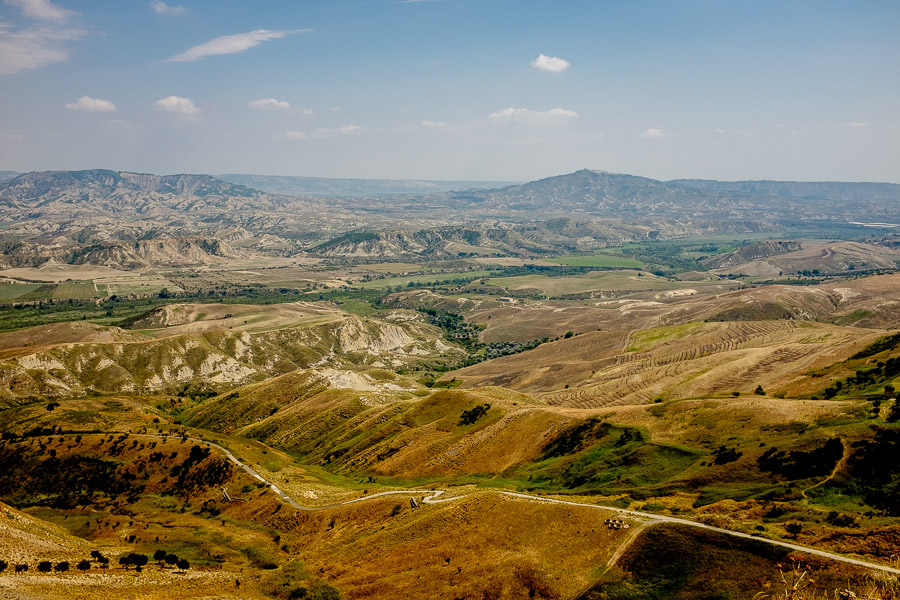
<point x="361" y="389"/>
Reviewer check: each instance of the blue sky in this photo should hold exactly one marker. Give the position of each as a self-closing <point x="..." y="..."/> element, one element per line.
<point x="454" y="89"/>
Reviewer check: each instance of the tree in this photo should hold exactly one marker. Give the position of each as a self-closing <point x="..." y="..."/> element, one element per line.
<point x="138" y="560"/>
<point x="3" y="565"/>
<point x="183" y="564"/>
<point x="759" y="390"/>
<point x="171" y="559"/>
<point x="62" y="567"/>
<point x="159" y="556"/>
<point x="125" y="561"/>
<point x="84" y="565"/>
<point x="889" y="391"/>
<point x="794" y="528"/>
<point x="45" y="566"/>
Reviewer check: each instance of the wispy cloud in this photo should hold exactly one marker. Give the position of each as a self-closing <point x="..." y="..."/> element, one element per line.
<point x="296" y="135"/>
<point x="178" y="105"/>
<point x="652" y="133"/>
<point x="33" y="47"/>
<point x="41" y="9"/>
<point x="270" y="104"/>
<point x="435" y="124"/>
<point x="231" y="44"/>
<point x="532" y="117"/>
<point x="717" y="130"/>
<point x="11" y="137"/>
<point x="88" y="104"/>
<point x="550" y="63"/>
<point x="161" y="8"/>
<point x="43" y="43"/>
<point x="855" y="124"/>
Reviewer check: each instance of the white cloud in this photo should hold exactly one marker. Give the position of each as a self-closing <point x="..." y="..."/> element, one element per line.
<point x="161" y="8"/>
<point x="11" y="137"/>
<point x="855" y="124"/>
<point x="532" y="117"/>
<point x="231" y="44"/>
<point x="652" y="133"/>
<point x="718" y="130"/>
<point x="296" y="135"/>
<point x="550" y="63"/>
<point x="434" y="124"/>
<point x="177" y="104"/>
<point x="30" y="48"/>
<point x="86" y="103"/>
<point x="270" y="104"/>
<point x="41" y="9"/>
<point x="308" y="112"/>
<point x="348" y="129"/>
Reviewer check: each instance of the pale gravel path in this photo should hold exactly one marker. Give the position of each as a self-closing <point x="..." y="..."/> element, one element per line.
<point x="432" y="497"/>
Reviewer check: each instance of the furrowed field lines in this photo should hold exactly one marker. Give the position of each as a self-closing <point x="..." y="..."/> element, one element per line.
<point x="715" y="359"/>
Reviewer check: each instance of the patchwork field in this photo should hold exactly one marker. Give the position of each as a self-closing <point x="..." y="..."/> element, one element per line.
<point x="140" y="284"/>
<point x="597" y="260"/>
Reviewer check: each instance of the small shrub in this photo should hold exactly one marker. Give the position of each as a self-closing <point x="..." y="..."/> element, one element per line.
<point x="473" y="414"/>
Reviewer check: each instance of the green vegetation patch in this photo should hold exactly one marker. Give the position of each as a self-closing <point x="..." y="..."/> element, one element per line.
<point x="888" y="342"/>
<point x="645" y="338"/>
<point x="75" y="291"/>
<point x="597" y="260"/>
<point x="42" y="292"/>
<point x="13" y="291"/>
<point x="598" y="457"/>
<point x="431" y="280"/>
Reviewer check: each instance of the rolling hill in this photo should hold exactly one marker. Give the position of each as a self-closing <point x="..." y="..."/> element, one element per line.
<point x="216" y="349"/>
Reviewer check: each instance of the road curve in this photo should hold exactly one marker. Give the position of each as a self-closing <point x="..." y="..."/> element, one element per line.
<point x="668" y="519"/>
<point x="433" y="497"/>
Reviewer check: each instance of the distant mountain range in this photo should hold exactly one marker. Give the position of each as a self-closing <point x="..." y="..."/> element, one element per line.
<point x="7" y="175"/>
<point x="352" y="188"/>
<point x="612" y="195"/>
<point x="109" y="217"/>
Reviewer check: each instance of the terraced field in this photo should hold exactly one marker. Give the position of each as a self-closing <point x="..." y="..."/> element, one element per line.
<point x="604" y="369"/>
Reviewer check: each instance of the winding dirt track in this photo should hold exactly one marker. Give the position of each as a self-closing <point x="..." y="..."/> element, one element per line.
<point x="433" y="497"/>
